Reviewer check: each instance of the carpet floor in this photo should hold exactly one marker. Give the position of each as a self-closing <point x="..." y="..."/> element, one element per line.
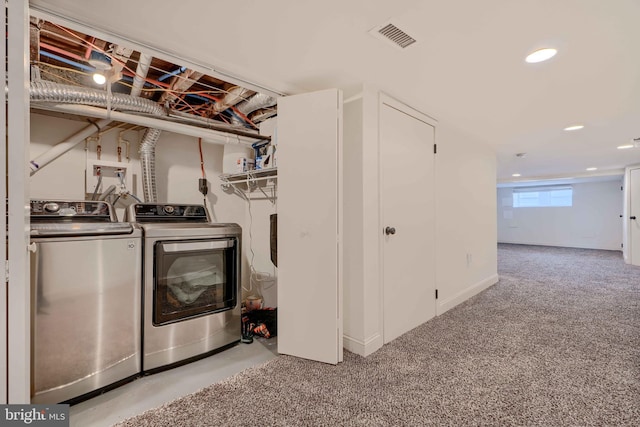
<point x="555" y="343"/>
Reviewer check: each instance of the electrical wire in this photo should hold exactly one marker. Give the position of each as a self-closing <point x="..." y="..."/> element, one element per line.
<point x="252" y="270"/>
<point x="201" y="158"/>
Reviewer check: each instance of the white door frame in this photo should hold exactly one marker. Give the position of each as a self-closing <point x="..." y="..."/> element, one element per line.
<point x="18" y="301"/>
<point x="3" y="229"/>
<point x="385" y="99"/>
<point x="626" y="225"/>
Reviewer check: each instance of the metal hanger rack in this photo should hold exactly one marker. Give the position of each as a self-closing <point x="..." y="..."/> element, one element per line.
<point x="246" y="183"/>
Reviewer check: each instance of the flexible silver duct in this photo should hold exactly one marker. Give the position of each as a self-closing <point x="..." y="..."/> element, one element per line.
<point x="148" y="164"/>
<point x="262" y="114"/>
<point x="44" y="91"/>
<point x="257" y="101"/>
<point x="235" y="95"/>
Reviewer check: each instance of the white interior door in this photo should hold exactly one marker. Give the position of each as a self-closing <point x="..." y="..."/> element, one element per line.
<point x="634" y="216"/>
<point x="408" y="217"/>
<point x="309" y="138"/>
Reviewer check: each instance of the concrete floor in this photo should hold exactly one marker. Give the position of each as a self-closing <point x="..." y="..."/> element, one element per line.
<point x="154" y="390"/>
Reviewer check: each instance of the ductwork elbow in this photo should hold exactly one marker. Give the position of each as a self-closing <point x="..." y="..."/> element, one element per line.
<point x="257" y="101"/>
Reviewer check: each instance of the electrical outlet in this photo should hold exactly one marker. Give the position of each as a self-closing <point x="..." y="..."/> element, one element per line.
<point x="469" y="259"/>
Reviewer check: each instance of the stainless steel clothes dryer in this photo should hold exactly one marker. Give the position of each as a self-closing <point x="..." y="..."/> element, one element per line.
<point x="191" y="283"/>
<point x="86" y="272"/>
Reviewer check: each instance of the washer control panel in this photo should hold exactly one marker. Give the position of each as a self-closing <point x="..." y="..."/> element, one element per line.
<point x="64" y="210"/>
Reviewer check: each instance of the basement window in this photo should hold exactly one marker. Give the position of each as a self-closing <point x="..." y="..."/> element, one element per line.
<point x="546" y="196"/>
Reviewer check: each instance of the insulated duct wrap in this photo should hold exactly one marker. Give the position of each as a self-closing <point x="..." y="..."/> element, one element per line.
<point x="49" y="92"/>
<point x="44" y="91"/>
<point x="259" y="100"/>
<point x="235" y="95"/>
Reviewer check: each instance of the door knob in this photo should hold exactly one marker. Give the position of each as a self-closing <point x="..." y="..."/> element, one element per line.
<point x="632" y="217"/>
<point x="389" y="230"/>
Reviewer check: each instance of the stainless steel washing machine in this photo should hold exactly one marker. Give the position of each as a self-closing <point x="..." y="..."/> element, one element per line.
<point x="86" y="272"/>
<point x="191" y="283"/>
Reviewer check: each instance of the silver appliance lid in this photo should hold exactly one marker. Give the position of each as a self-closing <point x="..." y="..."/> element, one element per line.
<point x="51" y="229"/>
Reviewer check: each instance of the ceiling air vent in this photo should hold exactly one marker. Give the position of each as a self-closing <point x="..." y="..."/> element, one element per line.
<point x="393" y="34"/>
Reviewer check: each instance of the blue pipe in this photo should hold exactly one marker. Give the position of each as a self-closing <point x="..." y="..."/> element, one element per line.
<point x="67" y="61"/>
<point x="171" y="74"/>
<point x="242" y="120"/>
<point x="198" y="97"/>
<point x="130" y="79"/>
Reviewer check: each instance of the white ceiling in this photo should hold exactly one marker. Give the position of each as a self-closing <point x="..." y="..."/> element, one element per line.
<point x="467" y="67"/>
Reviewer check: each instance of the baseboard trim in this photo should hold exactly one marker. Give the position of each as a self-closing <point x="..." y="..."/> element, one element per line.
<point x="363" y="348"/>
<point x="448" y="304"/>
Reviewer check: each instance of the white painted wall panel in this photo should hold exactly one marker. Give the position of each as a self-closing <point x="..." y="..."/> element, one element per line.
<point x="466" y="253"/>
<point x="592" y="222"/>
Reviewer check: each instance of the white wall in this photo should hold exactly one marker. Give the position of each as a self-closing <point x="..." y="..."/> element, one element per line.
<point x="257" y="225"/>
<point x="592" y="222"/>
<point x="177" y="174"/>
<point x="465" y="219"/>
<point x="466" y="250"/>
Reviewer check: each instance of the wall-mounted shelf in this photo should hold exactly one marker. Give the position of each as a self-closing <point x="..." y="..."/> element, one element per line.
<point x="246" y="183"/>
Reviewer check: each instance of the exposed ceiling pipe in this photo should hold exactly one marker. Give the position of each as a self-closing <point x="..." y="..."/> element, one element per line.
<point x="257" y="101"/>
<point x="62" y="147"/>
<point x="164" y="123"/>
<point x="147" y="148"/>
<point x="233" y="96"/>
<point x="207" y="123"/>
<point x="141" y="73"/>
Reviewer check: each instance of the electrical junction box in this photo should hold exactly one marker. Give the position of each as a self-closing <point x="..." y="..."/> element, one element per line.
<point x="113" y="173"/>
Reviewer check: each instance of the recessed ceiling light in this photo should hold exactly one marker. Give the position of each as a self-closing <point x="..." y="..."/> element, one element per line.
<point x="592" y="169"/>
<point x="624" y="147"/>
<point x="575" y="127"/>
<point x="541" y="55"/>
<point x="516" y="175"/>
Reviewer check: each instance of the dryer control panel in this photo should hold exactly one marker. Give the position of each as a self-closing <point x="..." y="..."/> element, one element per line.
<point x="154" y="212"/>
